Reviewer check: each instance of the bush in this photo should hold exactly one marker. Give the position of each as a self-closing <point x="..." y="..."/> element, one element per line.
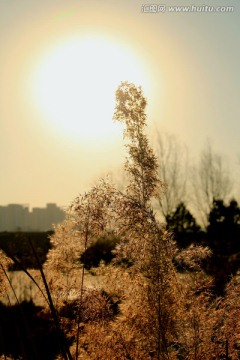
<point x="102" y="249"/>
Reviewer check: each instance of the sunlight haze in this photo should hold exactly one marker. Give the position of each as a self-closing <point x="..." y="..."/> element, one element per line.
<point x="61" y="62"/>
<point x="73" y="86"/>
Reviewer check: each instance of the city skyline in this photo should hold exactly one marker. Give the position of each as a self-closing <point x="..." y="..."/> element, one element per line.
<point x="18" y="217"/>
<point x="30" y="207"/>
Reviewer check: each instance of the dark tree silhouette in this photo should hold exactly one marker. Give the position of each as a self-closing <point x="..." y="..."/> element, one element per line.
<point x="223" y="237"/>
<point x="183" y="226"/>
<point x="102" y="249"/>
<point x="224" y="227"/>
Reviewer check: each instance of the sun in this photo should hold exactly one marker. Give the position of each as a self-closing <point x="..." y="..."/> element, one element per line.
<point x="73" y="85"/>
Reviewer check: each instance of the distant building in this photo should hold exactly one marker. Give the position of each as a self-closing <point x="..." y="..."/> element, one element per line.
<point x="15" y="217"/>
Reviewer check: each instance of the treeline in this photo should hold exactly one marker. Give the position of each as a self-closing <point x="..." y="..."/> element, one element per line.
<point x="196" y="183"/>
<point x="222" y="236"/>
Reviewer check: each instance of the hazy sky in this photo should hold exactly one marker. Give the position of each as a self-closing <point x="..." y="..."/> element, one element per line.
<point x="187" y="63"/>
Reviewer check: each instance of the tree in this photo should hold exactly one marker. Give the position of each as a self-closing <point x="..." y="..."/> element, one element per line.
<point x="183" y="225"/>
<point x="223" y="237"/>
<point x="210" y="180"/>
<point x="224" y="227"/>
<point x="173" y="171"/>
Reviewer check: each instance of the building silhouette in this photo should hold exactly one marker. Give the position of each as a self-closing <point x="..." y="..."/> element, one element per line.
<point x="15" y="217"/>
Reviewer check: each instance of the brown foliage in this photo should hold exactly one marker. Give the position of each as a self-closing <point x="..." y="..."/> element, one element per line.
<point x="143" y="309"/>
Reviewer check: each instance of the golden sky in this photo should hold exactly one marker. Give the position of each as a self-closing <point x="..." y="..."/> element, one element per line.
<point x="55" y="52"/>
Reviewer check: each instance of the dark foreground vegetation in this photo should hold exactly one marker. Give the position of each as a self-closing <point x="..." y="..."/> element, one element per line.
<point x="164" y="292"/>
<point x="28" y="332"/>
<point x="222" y="237"/>
<point x="18" y="245"/>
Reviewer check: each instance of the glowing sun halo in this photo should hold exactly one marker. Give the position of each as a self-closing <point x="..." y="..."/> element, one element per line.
<point x="74" y="85"/>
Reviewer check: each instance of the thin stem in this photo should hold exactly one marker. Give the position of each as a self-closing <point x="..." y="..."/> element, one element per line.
<point x="81" y="292"/>
<point x="65" y="350"/>
<point x="16" y="323"/>
<point x="16" y="261"/>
